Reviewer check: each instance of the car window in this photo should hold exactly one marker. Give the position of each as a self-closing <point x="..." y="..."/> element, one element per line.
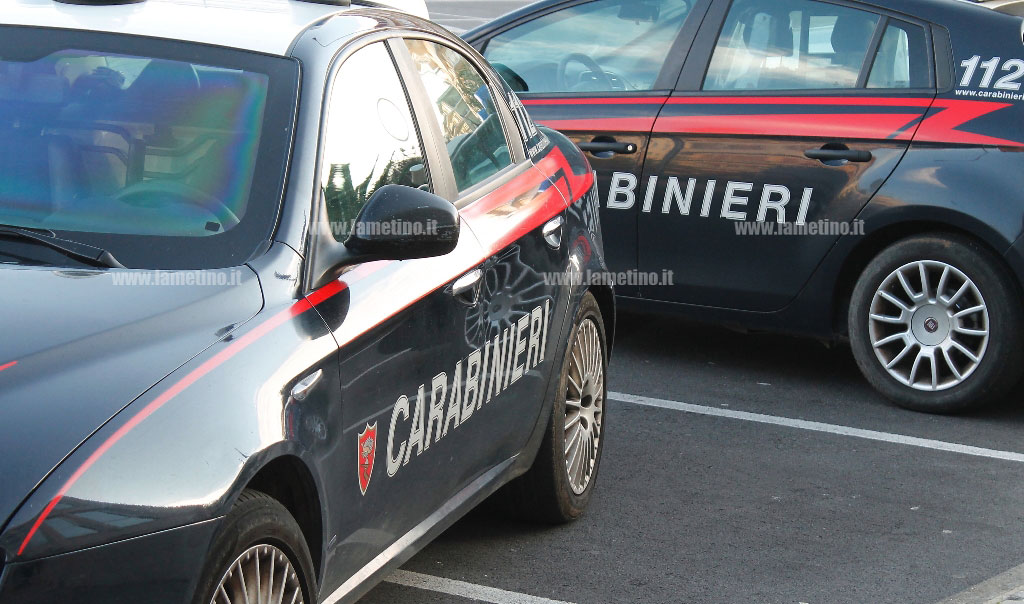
<point x="790" y="45"/>
<point x="902" y="59"/>
<point x="598" y="46"/>
<point x="464" y="108"/>
<point x="136" y="146"/>
<point x="371" y="139"/>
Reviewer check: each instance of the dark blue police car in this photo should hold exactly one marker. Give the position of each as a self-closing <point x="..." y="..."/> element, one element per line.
<point x="831" y="168"/>
<point x="279" y="300"/>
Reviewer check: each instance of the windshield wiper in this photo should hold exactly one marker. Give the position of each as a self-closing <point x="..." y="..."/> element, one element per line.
<point x="83" y="251"/>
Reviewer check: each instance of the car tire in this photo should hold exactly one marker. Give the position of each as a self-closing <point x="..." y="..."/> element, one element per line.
<point x="558" y="486"/>
<point x="935" y="324"/>
<point x="258" y="538"/>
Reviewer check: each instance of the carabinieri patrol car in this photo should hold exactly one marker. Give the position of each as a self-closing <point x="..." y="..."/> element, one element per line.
<point x="825" y="167"/>
<point x="282" y="299"/>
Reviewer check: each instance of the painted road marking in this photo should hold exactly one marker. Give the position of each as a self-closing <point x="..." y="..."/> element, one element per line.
<point x="899" y="439"/>
<point x="472" y="591"/>
<point x="1005" y="587"/>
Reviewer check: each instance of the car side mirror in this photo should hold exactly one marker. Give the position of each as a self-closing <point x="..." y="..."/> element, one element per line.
<point x="513" y="79"/>
<point x="397" y="223"/>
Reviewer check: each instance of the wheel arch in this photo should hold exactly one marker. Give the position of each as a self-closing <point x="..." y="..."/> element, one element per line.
<point x="606" y="302"/>
<point x="882" y="237"/>
<point x="289" y="481"/>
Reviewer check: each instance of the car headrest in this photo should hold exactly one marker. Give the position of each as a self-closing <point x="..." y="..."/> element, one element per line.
<point x="852" y="33"/>
<point x="161" y="80"/>
<point x="768" y="33"/>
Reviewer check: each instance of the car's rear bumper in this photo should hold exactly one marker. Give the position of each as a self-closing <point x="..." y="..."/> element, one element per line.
<point x="158" y="568"/>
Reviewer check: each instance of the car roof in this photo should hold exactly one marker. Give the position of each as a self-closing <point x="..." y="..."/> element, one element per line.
<point x="918" y="8"/>
<point x="268" y="26"/>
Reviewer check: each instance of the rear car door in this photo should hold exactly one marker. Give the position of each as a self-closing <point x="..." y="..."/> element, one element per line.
<point x="512" y="316"/>
<point x="789" y="115"/>
<point x="599" y="71"/>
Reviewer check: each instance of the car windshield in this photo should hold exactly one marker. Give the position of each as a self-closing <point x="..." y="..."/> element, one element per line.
<point x="138" y="146"/>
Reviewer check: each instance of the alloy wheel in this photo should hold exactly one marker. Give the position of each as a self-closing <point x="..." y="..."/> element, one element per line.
<point x="929" y="325"/>
<point x="584" y="406"/>
<point x="262" y="574"/>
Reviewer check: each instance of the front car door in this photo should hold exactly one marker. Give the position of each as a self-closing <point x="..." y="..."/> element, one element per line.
<point x="599" y="71"/>
<point x="393" y="324"/>
<point x="790" y="114"/>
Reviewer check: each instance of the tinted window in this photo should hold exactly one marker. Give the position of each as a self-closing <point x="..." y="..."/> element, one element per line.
<point x="790" y="45"/>
<point x="371" y="139"/>
<point x="599" y="46"/>
<point x="902" y="59"/>
<point x="136" y="146"/>
<point x="470" y="123"/>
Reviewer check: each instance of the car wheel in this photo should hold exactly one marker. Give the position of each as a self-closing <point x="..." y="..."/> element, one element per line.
<point x="558" y="486"/>
<point x="935" y="324"/>
<point x="258" y="555"/>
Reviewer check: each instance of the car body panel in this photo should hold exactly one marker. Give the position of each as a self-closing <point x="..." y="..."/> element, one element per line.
<point x="626" y="119"/>
<point x="97" y="574"/>
<point x="268" y="26"/>
<point x="123" y="323"/>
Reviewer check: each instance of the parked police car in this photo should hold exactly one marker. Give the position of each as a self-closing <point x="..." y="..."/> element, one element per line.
<point x="819" y="167"/>
<point x="279" y="300"/>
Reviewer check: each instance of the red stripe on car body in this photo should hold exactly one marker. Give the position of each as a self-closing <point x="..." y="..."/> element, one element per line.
<point x="839" y="125"/>
<point x="803" y="100"/>
<point x="599" y="101"/>
<point x="942" y="126"/>
<point x="8" y="365"/>
<point x="616" y="124"/>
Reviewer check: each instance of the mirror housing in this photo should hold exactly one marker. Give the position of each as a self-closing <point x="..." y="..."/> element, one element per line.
<point x="397" y="223"/>
<point x="513" y="79"/>
<point x="641" y="12"/>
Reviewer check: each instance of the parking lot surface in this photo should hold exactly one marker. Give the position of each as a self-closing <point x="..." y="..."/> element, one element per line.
<point x="750" y="468"/>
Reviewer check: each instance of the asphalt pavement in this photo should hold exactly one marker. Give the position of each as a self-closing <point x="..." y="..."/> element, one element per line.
<point x="751" y="468"/>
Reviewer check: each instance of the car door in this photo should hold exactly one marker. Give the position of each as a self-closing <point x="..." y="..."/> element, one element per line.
<point x="513" y="315"/>
<point x="789" y="116"/>
<point x="396" y="324"/>
<point x="599" y="71"/>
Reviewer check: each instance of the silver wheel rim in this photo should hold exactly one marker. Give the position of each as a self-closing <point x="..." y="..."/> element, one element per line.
<point x="584" y="406"/>
<point x="929" y="325"/>
<point x="263" y="574"/>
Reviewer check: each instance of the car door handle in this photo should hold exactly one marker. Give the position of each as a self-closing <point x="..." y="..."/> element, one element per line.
<point x="552" y="232"/>
<point x="608" y="147"/>
<point x="467" y="287"/>
<point x="835" y="153"/>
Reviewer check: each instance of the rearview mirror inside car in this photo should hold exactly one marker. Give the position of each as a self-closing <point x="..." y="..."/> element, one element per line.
<point x="639" y="11"/>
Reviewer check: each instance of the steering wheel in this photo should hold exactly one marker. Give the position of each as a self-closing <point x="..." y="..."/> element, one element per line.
<point x="146" y="192"/>
<point x="587" y="62"/>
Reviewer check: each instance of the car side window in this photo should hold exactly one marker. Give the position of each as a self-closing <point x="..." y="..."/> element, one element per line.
<point x="599" y="46"/>
<point x="371" y="137"/>
<point x="902" y="59"/>
<point x="790" y="45"/>
<point x="470" y="123"/>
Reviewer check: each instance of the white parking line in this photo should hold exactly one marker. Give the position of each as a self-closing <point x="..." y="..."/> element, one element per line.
<point x="472" y="591"/>
<point x="1005" y="587"/>
<point x="900" y="439"/>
